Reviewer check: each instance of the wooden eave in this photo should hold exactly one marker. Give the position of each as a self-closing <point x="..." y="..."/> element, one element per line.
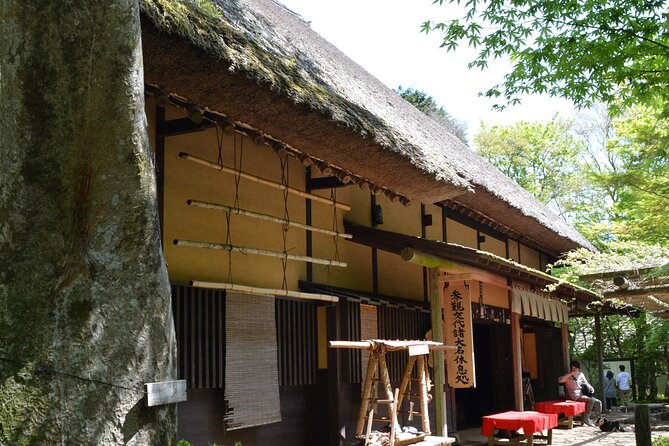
<point x="394" y="243"/>
<point x="654" y="299"/>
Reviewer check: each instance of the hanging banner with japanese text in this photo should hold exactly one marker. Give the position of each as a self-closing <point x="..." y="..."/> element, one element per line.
<point x="458" y="332"/>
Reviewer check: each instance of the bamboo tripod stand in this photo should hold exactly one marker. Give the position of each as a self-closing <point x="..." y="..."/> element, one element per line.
<point x="377" y="366"/>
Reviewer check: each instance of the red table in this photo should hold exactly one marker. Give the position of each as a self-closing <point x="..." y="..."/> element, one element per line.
<point x="530" y="421"/>
<point x="567" y="407"/>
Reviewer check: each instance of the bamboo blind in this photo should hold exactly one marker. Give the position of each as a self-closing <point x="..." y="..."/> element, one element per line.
<point x="369" y="329"/>
<point x="251" y="374"/>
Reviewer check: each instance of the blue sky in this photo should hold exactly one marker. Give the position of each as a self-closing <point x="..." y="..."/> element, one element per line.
<point x="384" y="37"/>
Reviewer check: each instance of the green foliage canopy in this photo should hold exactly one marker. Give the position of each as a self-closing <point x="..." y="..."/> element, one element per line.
<point x="586" y="51"/>
<point x="642" y="177"/>
<point x="541" y="157"/>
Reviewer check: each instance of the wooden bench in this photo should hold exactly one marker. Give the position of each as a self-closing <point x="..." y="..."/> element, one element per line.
<point x="532" y="423"/>
<point x="568" y="408"/>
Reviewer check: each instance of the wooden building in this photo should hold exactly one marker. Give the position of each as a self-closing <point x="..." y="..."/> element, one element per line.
<point x="263" y="131"/>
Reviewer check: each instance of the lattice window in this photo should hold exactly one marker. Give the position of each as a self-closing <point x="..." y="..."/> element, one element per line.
<point x="400" y="323"/>
<point x="199" y="319"/>
<point x="297" y="335"/>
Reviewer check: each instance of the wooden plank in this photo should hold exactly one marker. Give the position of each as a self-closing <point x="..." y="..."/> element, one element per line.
<point x="166" y="392"/>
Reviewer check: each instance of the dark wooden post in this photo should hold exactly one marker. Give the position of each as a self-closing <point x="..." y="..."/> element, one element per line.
<point x="516" y="333"/>
<point x="642" y="425"/>
<point x="564" y="329"/>
<point x="335" y="415"/>
<point x="600" y="359"/>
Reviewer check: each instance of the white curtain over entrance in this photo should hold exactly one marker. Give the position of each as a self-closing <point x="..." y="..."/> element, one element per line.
<point x="528" y="303"/>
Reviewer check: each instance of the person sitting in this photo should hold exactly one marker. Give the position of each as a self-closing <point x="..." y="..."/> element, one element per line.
<point x="575" y="383"/>
<point x="609" y="426"/>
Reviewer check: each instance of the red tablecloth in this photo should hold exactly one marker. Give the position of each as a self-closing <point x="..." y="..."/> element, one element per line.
<point x="567" y="407"/>
<point x="530" y="421"/>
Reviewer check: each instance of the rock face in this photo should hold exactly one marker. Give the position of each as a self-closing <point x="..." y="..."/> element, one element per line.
<point x="85" y="314"/>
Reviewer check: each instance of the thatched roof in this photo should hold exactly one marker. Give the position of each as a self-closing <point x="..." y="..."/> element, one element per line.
<point x="261" y="64"/>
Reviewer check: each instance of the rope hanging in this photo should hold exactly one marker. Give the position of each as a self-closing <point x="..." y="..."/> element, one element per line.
<point x="247" y="176"/>
<point x="284" y="233"/>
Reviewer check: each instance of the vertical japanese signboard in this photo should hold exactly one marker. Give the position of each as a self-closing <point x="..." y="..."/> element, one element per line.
<point x="458" y="332"/>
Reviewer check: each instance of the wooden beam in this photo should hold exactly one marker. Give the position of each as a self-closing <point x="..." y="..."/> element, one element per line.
<point x="436" y="291"/>
<point x="182" y="126"/>
<point x="641" y="292"/>
<point x="455" y="277"/>
<point x="325" y="183"/>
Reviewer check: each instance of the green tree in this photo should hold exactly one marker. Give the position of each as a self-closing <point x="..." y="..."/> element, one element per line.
<point x="85" y="314"/>
<point x="641" y="179"/>
<point x="426" y="103"/>
<point x="587" y="51"/>
<point x="644" y="338"/>
<point x="541" y="157"/>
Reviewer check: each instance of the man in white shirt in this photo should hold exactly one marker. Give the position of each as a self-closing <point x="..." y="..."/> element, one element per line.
<point x="574" y="381"/>
<point x="623" y="380"/>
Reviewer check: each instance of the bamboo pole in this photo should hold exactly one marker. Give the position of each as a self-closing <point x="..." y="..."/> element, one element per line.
<point x="395" y="425"/>
<point x="366" y="345"/>
<point x="422" y="374"/>
<point x="222" y="207"/>
<point x="256" y="251"/>
<point x="385" y="379"/>
<point x="405" y="381"/>
<point x="366" y="392"/>
<point x="369" y="427"/>
<point x="410" y="255"/>
<point x="255" y="290"/>
<point x="273" y="184"/>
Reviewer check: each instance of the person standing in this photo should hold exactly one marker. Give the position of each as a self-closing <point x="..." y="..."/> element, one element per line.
<point x="575" y="383"/>
<point x="610" y="390"/>
<point x="623" y="381"/>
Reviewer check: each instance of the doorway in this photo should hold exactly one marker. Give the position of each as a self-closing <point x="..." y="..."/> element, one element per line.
<point x="494" y="376"/>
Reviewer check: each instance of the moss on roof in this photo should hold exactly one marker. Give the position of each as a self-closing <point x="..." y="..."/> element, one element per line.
<point x="276" y="49"/>
<point x="207" y="25"/>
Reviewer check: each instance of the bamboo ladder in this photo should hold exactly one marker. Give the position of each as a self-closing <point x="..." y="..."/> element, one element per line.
<point x="393" y="400"/>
